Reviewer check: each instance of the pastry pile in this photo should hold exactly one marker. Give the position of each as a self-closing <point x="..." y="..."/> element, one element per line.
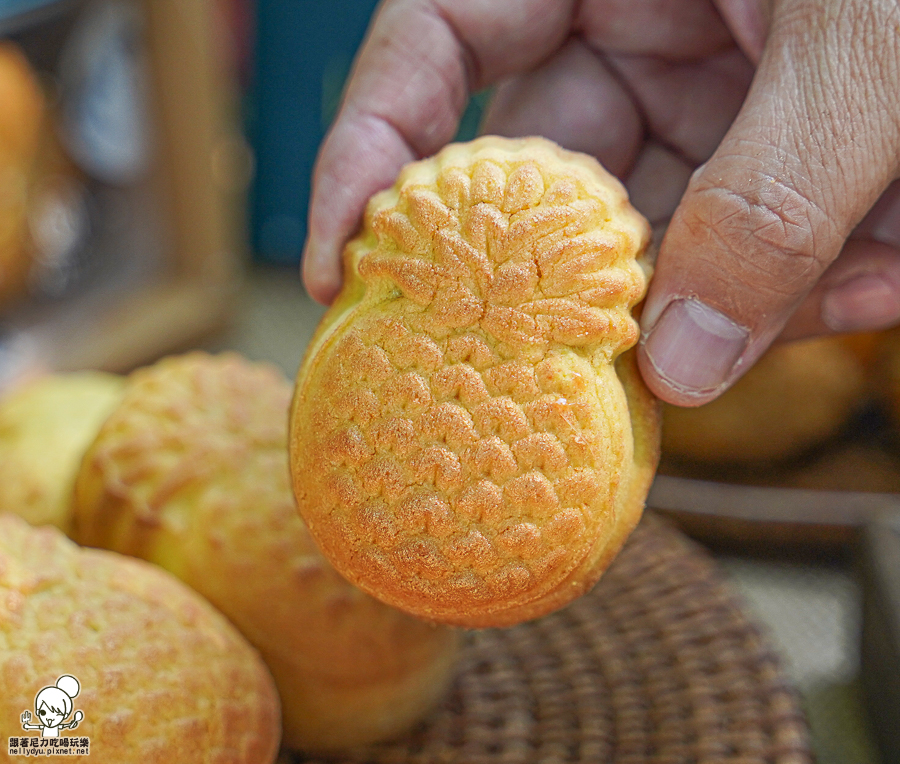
<point x="185" y="464"/>
<point x="190" y="472"/>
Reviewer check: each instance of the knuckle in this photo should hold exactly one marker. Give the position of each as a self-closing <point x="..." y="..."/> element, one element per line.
<point x="764" y="232"/>
<point x="412" y="74"/>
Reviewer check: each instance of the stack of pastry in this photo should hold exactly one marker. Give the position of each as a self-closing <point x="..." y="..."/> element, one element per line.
<point x="184" y="464"/>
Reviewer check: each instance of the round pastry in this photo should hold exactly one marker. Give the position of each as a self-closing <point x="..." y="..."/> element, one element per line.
<point x="145" y="669"/>
<point x="21" y="122"/>
<point x="190" y="472"/>
<point x="797" y="396"/>
<point x="468" y="441"/>
<point x="46" y="425"/>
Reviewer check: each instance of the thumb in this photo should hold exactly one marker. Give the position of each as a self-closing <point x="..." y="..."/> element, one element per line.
<point x="812" y="149"/>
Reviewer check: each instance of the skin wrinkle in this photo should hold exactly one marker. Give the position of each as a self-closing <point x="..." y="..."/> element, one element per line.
<point x="786" y="192"/>
<point x="836" y="172"/>
<point x="339" y="172"/>
<point x="866" y="91"/>
<point x="470" y="61"/>
<point x="773" y="275"/>
<point x="835" y="116"/>
<point x="888" y="65"/>
<point x="489" y="29"/>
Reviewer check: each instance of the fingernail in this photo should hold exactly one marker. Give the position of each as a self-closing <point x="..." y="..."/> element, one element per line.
<point x="865" y="302"/>
<point x="694" y="347"/>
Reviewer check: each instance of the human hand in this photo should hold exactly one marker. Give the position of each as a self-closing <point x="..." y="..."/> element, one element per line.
<point x="766" y="183"/>
<point x="26" y="718"/>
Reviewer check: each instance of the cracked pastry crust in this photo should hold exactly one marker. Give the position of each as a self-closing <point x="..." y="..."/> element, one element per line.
<point x="164" y="676"/>
<point x="191" y="472"/>
<point x="469" y="440"/>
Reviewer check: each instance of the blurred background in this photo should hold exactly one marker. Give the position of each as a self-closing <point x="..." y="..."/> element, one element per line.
<point x="155" y="163"/>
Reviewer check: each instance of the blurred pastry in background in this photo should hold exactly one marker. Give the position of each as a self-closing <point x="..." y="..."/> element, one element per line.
<point x="22" y="124"/>
<point x="46" y="425"/>
<point x="797" y="396"/>
<point x="191" y="472"/>
<point x="44" y="214"/>
<point x="155" y="672"/>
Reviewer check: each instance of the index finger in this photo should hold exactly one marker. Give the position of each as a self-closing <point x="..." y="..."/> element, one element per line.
<point x="407" y="92"/>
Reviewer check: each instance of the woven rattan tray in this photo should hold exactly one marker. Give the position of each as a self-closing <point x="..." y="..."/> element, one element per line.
<point x="657" y="664"/>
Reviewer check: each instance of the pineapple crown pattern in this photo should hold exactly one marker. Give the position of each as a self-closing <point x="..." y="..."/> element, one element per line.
<point x="529" y="253"/>
<point x="460" y="438"/>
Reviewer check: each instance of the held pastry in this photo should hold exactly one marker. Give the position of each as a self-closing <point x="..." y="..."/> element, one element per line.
<point x="190" y="472"/>
<point x="469" y="440"/>
<point x="147" y="670"/>
<point x="46" y="425"/>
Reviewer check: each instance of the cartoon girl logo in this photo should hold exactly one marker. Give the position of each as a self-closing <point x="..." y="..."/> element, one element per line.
<point x="53" y="706"/>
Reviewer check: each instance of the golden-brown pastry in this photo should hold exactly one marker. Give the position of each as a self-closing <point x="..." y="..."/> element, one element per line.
<point x="46" y="425"/>
<point x="797" y="396"/>
<point x="159" y="675"/>
<point x="191" y="472"/>
<point x="22" y="119"/>
<point x="467" y="441"/>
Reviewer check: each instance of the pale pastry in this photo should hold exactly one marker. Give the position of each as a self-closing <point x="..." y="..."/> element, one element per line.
<point x="190" y="472"/>
<point x="151" y="672"/>
<point x="22" y="119"/>
<point x="468" y="441"/>
<point x="798" y="395"/>
<point x="46" y="425"/>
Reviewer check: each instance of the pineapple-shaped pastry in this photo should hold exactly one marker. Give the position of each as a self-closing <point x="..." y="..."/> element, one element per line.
<point x="468" y="442"/>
